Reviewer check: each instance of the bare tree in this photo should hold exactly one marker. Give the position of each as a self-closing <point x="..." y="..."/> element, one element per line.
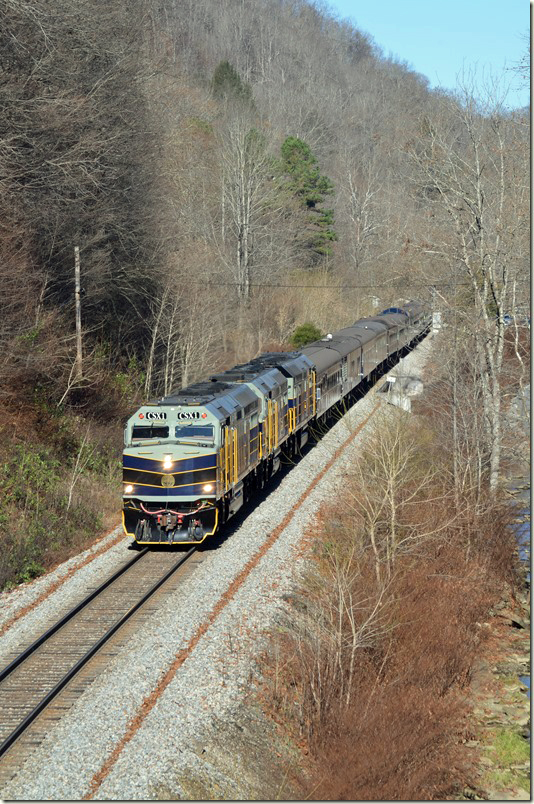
<point x="245" y="163"/>
<point x="391" y="483"/>
<point x="471" y="172"/>
<point x="184" y="325"/>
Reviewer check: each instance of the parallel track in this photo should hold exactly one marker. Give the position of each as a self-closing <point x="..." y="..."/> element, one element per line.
<point x="35" y="677"/>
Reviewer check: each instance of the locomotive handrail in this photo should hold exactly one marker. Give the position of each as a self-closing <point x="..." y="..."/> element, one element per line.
<point x="236" y="456"/>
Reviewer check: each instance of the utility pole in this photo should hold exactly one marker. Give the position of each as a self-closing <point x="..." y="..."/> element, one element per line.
<point x="79" y="371"/>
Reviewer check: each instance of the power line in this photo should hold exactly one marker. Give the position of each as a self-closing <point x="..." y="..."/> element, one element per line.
<point x="392" y="286"/>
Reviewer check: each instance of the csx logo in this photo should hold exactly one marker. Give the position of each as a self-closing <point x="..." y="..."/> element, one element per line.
<point x="153" y="415"/>
<point x="189" y="414"/>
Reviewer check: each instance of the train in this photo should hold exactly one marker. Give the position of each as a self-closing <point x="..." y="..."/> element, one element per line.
<point x="193" y="458"/>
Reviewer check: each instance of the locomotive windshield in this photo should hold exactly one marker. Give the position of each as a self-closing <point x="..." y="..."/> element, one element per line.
<point x="141" y="431"/>
<point x="164" y="433"/>
<point x="199" y="432"/>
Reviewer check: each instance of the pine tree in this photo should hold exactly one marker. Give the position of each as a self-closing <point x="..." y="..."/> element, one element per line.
<point x="304" y="180"/>
<point x="227" y="84"/>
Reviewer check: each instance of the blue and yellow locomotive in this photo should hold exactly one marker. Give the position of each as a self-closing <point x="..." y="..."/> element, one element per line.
<point x="194" y="457"/>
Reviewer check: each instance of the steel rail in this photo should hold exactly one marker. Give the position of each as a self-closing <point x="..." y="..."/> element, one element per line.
<point x="23" y="725"/>
<point x="64" y="620"/>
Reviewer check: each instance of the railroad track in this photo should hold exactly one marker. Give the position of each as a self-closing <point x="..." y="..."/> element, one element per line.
<point x="34" y="678"/>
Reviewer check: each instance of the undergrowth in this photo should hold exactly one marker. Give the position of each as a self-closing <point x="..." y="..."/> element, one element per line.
<point x="371" y="667"/>
<point x="60" y="479"/>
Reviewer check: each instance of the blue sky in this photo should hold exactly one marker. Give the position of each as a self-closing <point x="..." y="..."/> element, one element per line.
<point x="439" y="39"/>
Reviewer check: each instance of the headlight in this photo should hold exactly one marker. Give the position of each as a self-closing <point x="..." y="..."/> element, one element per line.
<point x="167" y="463"/>
<point x="128" y="489"/>
<point x="207" y="488"/>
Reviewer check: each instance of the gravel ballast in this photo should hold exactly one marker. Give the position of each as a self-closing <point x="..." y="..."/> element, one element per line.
<point x="73" y="579"/>
<point x="211" y="683"/>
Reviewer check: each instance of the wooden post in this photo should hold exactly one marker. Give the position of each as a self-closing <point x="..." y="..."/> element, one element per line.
<point x="79" y="370"/>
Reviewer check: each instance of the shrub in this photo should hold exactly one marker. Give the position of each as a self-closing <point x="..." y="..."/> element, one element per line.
<point x="379" y="641"/>
<point x="305" y="333"/>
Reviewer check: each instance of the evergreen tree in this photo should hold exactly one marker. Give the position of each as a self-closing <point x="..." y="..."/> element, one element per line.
<point x="227" y="84"/>
<point x="304" y="334"/>
<point x="305" y="181"/>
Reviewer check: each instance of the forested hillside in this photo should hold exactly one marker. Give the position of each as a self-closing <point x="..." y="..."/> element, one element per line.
<point x="228" y="170"/>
